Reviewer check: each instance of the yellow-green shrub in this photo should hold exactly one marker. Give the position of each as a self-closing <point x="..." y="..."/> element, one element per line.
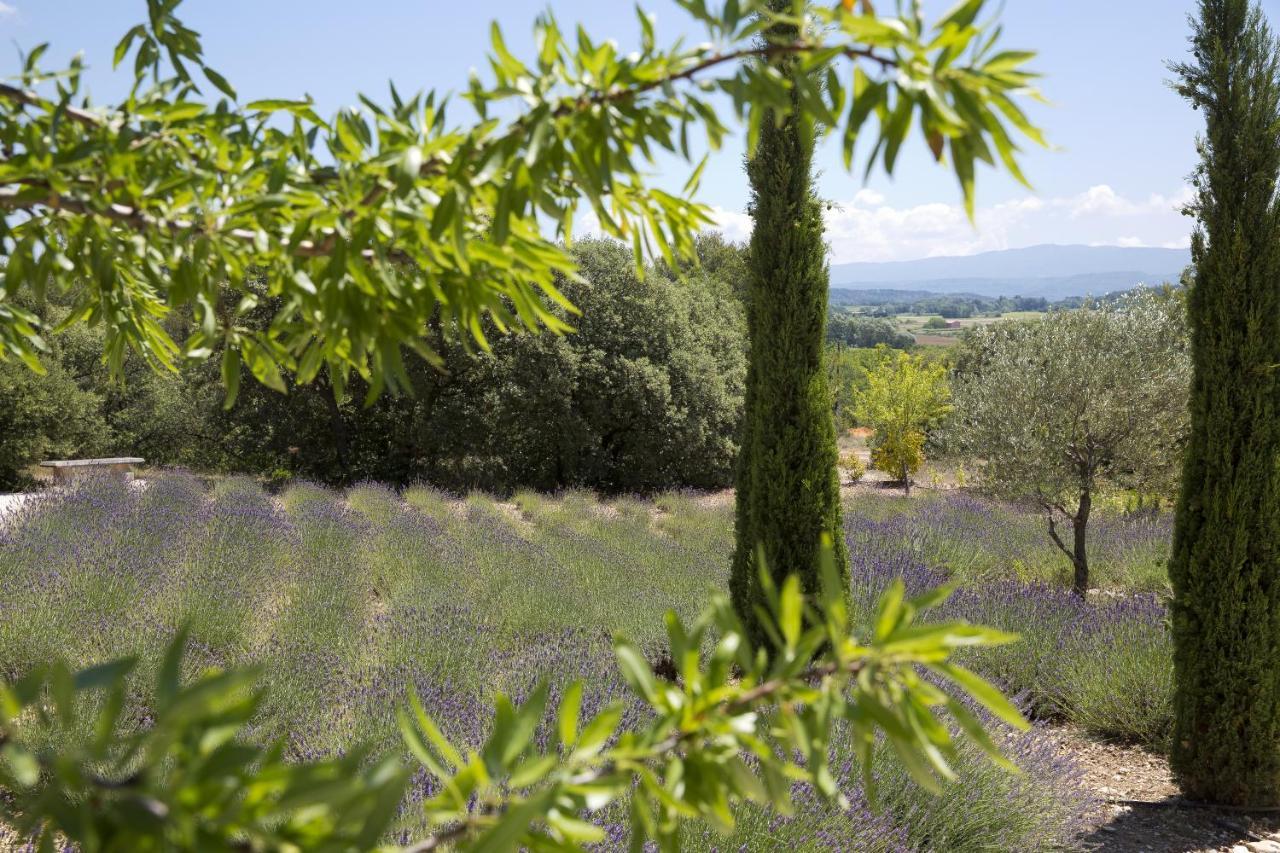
<point x="853" y="465"/>
<point x="899" y="454"/>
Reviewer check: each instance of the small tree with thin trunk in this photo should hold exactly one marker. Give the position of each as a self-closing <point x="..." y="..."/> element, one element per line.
<point x="904" y="398"/>
<point x="1057" y="408"/>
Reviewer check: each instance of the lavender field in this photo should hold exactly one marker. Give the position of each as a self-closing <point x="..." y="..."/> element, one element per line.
<point x="347" y="599"/>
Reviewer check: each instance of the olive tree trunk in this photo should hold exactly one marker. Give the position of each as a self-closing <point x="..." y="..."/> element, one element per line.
<point x="1078" y="553"/>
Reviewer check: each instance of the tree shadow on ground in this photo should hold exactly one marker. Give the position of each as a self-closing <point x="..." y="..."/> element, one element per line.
<point x="1172" y="826"/>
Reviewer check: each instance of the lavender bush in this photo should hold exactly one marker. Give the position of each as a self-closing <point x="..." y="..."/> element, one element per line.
<point x="1104" y="663"/>
<point x="349" y="599"/>
<point x="974" y="540"/>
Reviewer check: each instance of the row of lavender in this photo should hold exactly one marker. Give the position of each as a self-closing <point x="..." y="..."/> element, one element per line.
<point x="347" y="600"/>
<point x="1104" y="663"/>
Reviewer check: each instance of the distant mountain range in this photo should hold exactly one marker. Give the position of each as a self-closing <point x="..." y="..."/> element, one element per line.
<point x="1054" y="272"/>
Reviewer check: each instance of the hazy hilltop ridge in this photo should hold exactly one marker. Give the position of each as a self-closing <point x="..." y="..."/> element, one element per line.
<point x="1054" y="272"/>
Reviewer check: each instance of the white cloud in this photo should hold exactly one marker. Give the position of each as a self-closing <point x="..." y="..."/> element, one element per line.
<point x="868" y="198"/>
<point x="734" y="224"/>
<point x="1099" y="200"/>
<point x="6" y="10"/>
<point x="867" y="228"/>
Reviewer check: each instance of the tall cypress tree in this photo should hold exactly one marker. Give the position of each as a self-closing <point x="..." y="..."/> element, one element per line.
<point x="1225" y="566"/>
<point x="788" y="492"/>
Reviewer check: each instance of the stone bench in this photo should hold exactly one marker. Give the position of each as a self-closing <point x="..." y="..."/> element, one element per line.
<point x="65" y="469"/>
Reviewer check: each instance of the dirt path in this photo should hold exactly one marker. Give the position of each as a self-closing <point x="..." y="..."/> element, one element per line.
<point x="1142" y="810"/>
<point x="10" y="504"/>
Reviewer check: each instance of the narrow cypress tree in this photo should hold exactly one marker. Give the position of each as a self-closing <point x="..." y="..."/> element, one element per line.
<point x="788" y="493"/>
<point x="1225" y="566"/>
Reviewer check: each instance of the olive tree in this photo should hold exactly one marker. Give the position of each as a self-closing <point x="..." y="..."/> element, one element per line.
<point x="1058" y="407"/>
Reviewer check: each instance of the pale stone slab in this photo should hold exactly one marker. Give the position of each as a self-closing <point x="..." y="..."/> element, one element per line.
<point x="65" y="469"/>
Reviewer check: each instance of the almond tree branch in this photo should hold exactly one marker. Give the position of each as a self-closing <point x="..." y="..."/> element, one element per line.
<point x="31" y="99"/>
<point x="740" y="705"/>
<point x="433" y="166"/>
<point x="141" y="221"/>
<point x="594" y="98"/>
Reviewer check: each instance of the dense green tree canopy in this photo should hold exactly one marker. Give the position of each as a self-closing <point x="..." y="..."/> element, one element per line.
<point x="645" y="395"/>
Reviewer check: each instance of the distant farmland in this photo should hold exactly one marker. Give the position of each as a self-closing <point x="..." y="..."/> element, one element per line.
<point x="914" y="325"/>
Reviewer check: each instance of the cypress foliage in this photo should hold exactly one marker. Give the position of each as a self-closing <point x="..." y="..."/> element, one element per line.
<point x="788" y="492"/>
<point x="1225" y="566"/>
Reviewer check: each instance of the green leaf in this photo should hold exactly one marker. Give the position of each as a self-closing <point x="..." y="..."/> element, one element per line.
<point x="219" y="82"/>
<point x="104" y="675"/>
<point x="22" y="764"/>
<point x="444" y="214"/>
<point x="262" y="365"/>
<point x="1007" y="61"/>
<point x="790" y="610"/>
<point x="635" y="669"/>
<point x="578" y="832"/>
<point x="985" y="692"/>
<point x="33" y="57"/>
<point x="122" y="48"/>
<point x="525" y="723"/>
<point x="429" y="728"/>
<point x="896" y="130"/>
<point x="973" y="728"/>
<point x="182" y="111"/>
<point x="962" y="14"/>
<point x="567" y="714"/>
<point x="930" y="599"/>
<point x="230" y="376"/>
<point x="168" y="677"/>
<point x="418" y="746"/>
<point x="512" y="825"/>
<point x="597" y="732"/>
<point x="962" y="159"/>
<point x="270" y="105"/>
<point x="890" y="610"/>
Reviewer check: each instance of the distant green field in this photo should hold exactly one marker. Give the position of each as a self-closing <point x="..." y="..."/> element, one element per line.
<point x="914" y="324"/>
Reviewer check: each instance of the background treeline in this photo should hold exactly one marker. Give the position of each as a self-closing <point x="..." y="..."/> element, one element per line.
<point x="852" y="330"/>
<point x="647" y="394"/>
<point x="890" y="303"/>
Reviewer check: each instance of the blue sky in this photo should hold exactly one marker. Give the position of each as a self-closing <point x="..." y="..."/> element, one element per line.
<point x="1124" y="143"/>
